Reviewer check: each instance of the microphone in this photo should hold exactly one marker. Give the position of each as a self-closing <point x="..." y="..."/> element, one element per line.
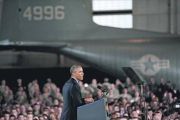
<point x="99" y="87"/>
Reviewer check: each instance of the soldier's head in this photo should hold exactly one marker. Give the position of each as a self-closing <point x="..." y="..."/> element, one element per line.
<point x="3" y="82"/>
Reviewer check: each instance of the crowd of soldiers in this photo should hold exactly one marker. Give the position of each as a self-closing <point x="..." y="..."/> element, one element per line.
<point x="126" y="100"/>
<point x="29" y="102"/>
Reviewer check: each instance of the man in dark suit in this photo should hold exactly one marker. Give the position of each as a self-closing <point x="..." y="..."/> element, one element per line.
<point x="72" y="94"/>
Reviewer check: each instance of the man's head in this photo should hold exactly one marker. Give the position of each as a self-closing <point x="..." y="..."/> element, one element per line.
<point x="29" y="117"/>
<point x="3" y="82"/>
<point x="21" y="89"/>
<point x="125" y="90"/>
<point x="162" y="81"/>
<point x="35" y="82"/>
<point x="168" y="83"/>
<point x="106" y="80"/>
<point x="36" y="106"/>
<point x="19" y="80"/>
<point x="116" y="108"/>
<point x="118" y="82"/>
<point x="114" y="115"/>
<point x="77" y="72"/>
<point x="12" y="117"/>
<point x="58" y="90"/>
<point x="94" y="81"/>
<point x="137" y="94"/>
<point x="49" y="80"/>
<point x="134" y="114"/>
<point x="154" y="104"/>
<point x="32" y="101"/>
<point x="46" y="90"/>
<point x="14" y="112"/>
<point x="169" y="95"/>
<point x="56" y="101"/>
<point x="157" y="116"/>
<point x="6" y="115"/>
<point x="20" y="117"/>
<point x="128" y="80"/>
<point x="23" y="108"/>
<point x="153" y="79"/>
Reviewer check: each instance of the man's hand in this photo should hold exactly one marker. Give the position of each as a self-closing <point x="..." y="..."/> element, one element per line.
<point x="88" y="100"/>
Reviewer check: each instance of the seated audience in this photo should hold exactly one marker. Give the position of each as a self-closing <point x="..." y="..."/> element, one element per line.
<point x="159" y="102"/>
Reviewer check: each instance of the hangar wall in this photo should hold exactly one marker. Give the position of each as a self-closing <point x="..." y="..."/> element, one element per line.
<point x="23" y="59"/>
<point x="178" y="17"/>
<point x="0" y="10"/>
<point x="148" y="15"/>
<point x="157" y="15"/>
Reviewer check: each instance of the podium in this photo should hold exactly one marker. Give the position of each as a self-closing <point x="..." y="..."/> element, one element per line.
<point x="97" y="110"/>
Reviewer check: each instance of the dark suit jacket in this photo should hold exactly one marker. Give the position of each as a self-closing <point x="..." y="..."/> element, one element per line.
<point x="72" y="99"/>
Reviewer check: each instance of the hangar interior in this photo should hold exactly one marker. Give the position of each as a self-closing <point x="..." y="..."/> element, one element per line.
<point x="156" y="16"/>
<point x="41" y="39"/>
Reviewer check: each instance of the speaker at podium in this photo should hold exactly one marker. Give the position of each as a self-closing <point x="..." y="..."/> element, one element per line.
<point x="97" y="110"/>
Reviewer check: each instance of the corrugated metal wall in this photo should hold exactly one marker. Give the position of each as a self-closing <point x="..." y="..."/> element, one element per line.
<point x="154" y="15"/>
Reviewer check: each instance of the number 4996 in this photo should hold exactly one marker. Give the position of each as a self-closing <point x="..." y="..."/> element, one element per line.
<point x="44" y="13"/>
